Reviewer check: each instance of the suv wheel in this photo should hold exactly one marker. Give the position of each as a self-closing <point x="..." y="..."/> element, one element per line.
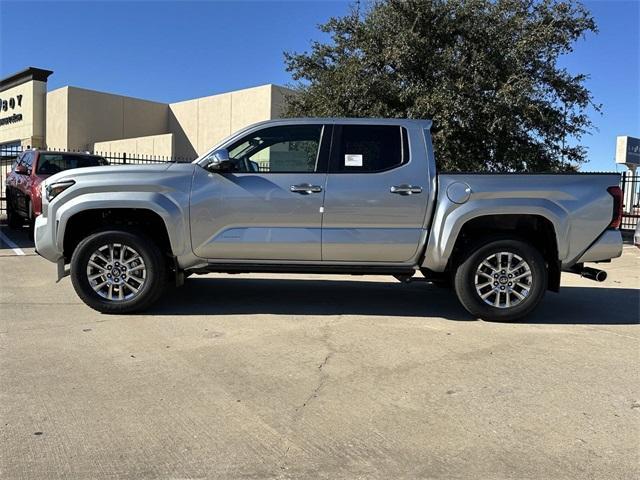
<point x="13" y="219"/>
<point x="118" y="272"/>
<point x="501" y="280"/>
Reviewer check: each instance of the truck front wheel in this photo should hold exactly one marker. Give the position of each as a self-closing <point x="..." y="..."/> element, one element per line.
<point x="501" y="280"/>
<point x="117" y="271"/>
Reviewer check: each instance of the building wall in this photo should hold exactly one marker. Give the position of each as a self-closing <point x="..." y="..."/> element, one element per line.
<point x="80" y="119"/>
<point x="28" y="113"/>
<point x="153" y="145"/>
<point x="200" y="123"/>
<point x="92" y="117"/>
<point x="57" y="124"/>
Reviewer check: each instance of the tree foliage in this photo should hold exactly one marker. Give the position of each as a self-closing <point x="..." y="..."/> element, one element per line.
<point x="486" y="72"/>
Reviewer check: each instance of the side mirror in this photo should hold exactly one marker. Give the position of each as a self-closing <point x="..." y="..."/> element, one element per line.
<point x="220" y="161"/>
<point x="21" y="169"/>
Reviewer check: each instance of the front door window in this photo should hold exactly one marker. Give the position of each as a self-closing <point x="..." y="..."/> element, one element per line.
<point x="283" y="149"/>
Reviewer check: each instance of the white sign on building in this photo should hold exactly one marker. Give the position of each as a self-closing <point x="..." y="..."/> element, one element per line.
<point x="628" y="151"/>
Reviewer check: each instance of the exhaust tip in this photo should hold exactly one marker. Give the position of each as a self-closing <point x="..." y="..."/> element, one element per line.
<point x="601" y="276"/>
<point x="594" y="274"/>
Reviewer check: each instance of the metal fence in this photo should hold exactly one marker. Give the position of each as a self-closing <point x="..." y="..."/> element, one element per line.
<point x="630" y="185"/>
<point x="9" y="153"/>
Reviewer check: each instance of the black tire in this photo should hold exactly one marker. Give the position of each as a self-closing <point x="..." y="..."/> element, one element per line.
<point x="31" y="229"/>
<point x="31" y="225"/>
<point x="465" y="281"/>
<point x="155" y="269"/>
<point x="14" y="220"/>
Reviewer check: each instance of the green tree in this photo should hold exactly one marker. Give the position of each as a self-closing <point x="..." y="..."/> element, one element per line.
<point x="486" y="72"/>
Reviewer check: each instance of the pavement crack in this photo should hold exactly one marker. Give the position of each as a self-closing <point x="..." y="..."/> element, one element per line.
<point x="326" y="359"/>
<point x="323" y="376"/>
<point x="283" y="463"/>
<point x="321" y="382"/>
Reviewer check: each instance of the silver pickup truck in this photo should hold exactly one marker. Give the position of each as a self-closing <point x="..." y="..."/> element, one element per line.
<point x="345" y="196"/>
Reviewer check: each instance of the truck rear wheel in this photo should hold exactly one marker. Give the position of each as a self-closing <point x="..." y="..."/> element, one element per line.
<point x="501" y="280"/>
<point x="118" y="271"/>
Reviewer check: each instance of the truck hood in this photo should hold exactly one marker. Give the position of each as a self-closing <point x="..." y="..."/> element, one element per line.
<point x="113" y="170"/>
<point x="117" y="173"/>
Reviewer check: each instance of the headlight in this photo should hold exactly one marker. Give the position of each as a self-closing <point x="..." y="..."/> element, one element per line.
<point x="57" y="188"/>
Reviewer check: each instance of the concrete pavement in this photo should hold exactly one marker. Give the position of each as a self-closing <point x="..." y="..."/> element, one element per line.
<point x="261" y="376"/>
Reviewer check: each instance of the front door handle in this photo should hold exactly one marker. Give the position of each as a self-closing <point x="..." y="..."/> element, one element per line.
<point x="306" y="188"/>
<point x="405" y="189"/>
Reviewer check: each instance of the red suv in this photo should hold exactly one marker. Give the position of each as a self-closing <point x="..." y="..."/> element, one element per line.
<point x="24" y="202"/>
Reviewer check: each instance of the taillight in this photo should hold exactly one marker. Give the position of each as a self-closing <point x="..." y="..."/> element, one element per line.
<point x="616" y="219"/>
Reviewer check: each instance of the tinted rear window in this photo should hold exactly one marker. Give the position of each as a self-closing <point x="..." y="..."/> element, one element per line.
<point x="51" y="163"/>
<point x="370" y="148"/>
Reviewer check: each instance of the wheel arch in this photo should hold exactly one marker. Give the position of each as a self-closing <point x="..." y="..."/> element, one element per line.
<point x="79" y="224"/>
<point x="543" y="228"/>
<point x="157" y="209"/>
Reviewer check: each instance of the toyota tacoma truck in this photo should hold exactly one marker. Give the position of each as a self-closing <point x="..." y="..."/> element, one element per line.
<point x="343" y="196"/>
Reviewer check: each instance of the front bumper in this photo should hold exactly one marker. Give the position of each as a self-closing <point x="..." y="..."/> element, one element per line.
<point x="606" y="247"/>
<point x="44" y="234"/>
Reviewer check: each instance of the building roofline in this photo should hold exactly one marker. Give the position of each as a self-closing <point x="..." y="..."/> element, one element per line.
<point x="100" y="92"/>
<point x="23" y="76"/>
<point x="263" y="85"/>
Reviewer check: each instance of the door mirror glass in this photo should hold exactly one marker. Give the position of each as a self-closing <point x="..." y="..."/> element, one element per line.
<point x="220" y="161"/>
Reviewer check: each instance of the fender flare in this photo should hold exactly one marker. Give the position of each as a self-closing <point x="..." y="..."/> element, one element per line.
<point x="174" y="219"/>
<point x="449" y="220"/>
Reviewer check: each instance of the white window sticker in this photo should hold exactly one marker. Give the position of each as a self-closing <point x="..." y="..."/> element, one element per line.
<point x="352" y="160"/>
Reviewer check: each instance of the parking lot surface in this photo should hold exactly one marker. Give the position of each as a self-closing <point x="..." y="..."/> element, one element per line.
<point x="261" y="376"/>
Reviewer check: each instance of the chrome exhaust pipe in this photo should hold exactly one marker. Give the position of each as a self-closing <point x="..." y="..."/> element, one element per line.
<point x="593" y="274"/>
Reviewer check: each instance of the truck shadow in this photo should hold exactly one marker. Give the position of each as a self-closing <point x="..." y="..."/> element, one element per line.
<point x="250" y="296"/>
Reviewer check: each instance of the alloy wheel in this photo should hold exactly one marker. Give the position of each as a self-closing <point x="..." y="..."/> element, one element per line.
<point x="503" y="280"/>
<point x="116" y="272"/>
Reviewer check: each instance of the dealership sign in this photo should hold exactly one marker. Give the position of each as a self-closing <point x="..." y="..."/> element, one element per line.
<point x="11" y="103"/>
<point x="628" y="150"/>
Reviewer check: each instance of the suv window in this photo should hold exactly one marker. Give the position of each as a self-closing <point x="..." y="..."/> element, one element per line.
<point x="51" y="163"/>
<point x="27" y="161"/>
<point x="287" y="148"/>
<point x="369" y="148"/>
<point x="17" y="160"/>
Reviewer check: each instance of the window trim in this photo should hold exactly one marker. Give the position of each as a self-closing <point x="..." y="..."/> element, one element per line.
<point x="322" y="158"/>
<point x="334" y="161"/>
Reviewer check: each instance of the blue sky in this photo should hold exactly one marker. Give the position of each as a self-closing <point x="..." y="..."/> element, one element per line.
<point x="170" y="51"/>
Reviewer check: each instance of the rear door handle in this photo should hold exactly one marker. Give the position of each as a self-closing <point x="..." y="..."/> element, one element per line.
<point x="405" y="189"/>
<point x="306" y="188"/>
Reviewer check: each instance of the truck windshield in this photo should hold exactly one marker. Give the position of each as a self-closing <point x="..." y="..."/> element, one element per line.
<point x="51" y="163"/>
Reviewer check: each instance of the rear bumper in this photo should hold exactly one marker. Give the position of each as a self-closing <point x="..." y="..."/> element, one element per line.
<point x="606" y="247"/>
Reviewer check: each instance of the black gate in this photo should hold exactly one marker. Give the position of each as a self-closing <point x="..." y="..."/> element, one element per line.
<point x="630" y="185"/>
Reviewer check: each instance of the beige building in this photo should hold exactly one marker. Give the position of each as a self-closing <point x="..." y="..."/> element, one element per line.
<point x="23" y="103"/>
<point x="71" y="118"/>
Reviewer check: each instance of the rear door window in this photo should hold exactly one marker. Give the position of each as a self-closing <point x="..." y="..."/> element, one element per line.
<point x="369" y="148"/>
